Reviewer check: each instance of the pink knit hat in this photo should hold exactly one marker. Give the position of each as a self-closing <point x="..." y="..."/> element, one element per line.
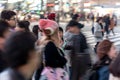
<point x="48" y="26"/>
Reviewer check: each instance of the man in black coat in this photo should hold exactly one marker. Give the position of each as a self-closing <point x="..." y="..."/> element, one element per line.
<point x="80" y="59"/>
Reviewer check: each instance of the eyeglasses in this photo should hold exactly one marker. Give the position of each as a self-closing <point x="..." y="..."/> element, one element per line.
<point x="13" y="19"/>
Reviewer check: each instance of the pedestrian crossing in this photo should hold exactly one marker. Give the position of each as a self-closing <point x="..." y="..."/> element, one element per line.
<point x="91" y="39"/>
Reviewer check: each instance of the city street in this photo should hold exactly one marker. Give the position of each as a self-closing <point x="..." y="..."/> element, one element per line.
<point x="35" y="44"/>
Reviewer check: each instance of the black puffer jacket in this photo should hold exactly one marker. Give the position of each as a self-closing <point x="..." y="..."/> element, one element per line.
<point x="78" y="44"/>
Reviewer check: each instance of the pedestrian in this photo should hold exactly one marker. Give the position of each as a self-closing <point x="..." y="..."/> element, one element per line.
<point x="107" y="24"/>
<point x="112" y="25"/>
<point x="114" y="69"/>
<point x="23" y="26"/>
<point x="4" y="34"/>
<point x="76" y="17"/>
<point x="115" y="19"/>
<point x="36" y="31"/>
<point x="58" y="17"/>
<point x="92" y="17"/>
<point x="53" y="57"/>
<point x="68" y="40"/>
<point x="61" y="32"/>
<point x="10" y="17"/>
<point x="77" y="44"/>
<point x="106" y="52"/>
<point x="21" y="56"/>
<point x="98" y="31"/>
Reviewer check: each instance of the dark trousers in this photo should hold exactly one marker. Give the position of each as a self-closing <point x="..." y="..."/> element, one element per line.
<point x="80" y="64"/>
<point x="107" y="29"/>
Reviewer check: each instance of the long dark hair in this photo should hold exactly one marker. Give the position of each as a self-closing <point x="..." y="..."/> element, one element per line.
<point x="115" y="66"/>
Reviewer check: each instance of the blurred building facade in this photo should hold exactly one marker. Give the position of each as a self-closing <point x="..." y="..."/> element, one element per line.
<point x="63" y="5"/>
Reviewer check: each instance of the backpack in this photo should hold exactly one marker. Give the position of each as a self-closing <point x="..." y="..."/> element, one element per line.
<point x="54" y="74"/>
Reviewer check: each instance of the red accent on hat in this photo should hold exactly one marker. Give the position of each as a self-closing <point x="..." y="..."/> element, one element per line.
<point x="51" y="16"/>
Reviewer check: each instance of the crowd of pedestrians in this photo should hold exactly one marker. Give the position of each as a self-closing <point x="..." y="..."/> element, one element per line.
<point x="47" y="52"/>
<point x="103" y="25"/>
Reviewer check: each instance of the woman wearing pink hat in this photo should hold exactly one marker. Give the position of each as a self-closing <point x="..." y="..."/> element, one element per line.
<point x="53" y="57"/>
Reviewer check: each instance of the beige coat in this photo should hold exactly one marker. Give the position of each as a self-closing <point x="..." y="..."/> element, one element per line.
<point x="113" y="77"/>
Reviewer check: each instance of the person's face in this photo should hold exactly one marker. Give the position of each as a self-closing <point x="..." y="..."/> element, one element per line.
<point x="12" y="22"/>
<point x="60" y="34"/>
<point x="78" y="30"/>
<point x="113" y="52"/>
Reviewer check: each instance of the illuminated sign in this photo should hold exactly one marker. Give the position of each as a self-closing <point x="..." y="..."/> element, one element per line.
<point x="50" y="4"/>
